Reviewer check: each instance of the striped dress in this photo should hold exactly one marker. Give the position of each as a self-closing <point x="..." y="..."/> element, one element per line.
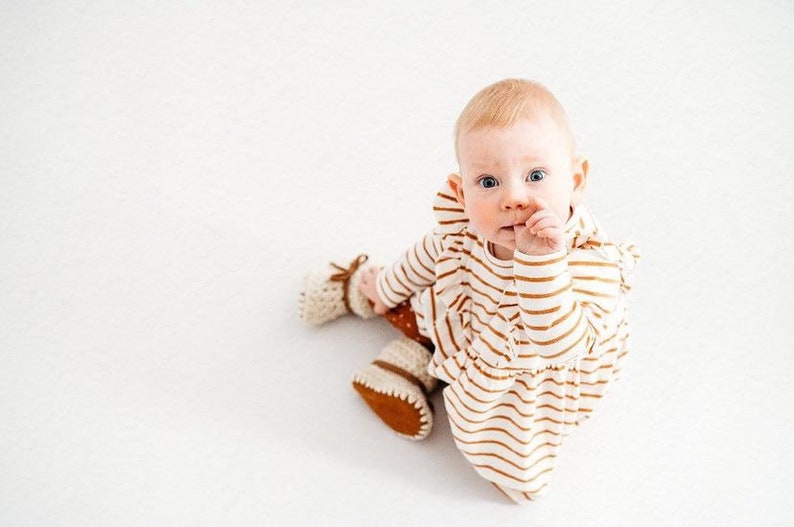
<point x="527" y="347"/>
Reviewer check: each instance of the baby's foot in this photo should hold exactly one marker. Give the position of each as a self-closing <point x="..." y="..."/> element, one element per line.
<point x="333" y="291"/>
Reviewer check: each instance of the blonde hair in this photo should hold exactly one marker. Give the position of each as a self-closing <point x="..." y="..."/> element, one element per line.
<point x="505" y="102"/>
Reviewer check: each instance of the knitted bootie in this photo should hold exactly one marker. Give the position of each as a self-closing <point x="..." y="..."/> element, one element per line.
<point x="332" y="291"/>
<point x="396" y="385"/>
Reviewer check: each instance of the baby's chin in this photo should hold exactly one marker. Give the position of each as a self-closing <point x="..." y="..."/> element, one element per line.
<point x="502" y="249"/>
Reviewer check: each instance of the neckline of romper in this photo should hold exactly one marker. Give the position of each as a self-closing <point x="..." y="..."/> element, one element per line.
<point x="488" y="253"/>
<point x="459" y="241"/>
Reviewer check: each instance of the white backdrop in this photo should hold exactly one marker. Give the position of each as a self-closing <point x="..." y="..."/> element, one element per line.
<point x="169" y="171"/>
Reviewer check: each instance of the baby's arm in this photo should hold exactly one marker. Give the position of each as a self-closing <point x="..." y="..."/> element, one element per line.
<point x="411" y="273"/>
<point x="561" y="316"/>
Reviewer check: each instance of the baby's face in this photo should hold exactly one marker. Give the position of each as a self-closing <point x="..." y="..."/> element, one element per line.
<point x="501" y="168"/>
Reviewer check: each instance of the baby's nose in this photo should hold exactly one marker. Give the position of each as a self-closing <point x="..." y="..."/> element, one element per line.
<point x="515" y="199"/>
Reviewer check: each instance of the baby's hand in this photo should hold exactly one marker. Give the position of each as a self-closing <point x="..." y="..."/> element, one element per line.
<point x="544" y="232"/>
<point x="370" y="290"/>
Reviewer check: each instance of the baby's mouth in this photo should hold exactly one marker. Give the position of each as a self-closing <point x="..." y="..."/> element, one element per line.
<point x="512" y="227"/>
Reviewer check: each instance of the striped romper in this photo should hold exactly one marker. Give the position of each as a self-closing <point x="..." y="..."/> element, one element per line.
<point x="527" y="347"/>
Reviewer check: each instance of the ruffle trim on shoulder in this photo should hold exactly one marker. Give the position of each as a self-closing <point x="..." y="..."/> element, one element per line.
<point x="582" y="229"/>
<point x="450" y="312"/>
<point x="449" y="213"/>
<point x="456" y="246"/>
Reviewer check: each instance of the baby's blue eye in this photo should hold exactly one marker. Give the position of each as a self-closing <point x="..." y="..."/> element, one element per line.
<point x="487" y="182"/>
<point x="536" y="175"/>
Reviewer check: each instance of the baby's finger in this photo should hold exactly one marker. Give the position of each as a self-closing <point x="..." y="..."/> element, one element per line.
<point x="538" y="216"/>
<point x="544" y="222"/>
<point x="549" y="232"/>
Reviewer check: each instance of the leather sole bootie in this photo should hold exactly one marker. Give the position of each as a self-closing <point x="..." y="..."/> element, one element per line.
<point x="332" y="291"/>
<point x="396" y="385"/>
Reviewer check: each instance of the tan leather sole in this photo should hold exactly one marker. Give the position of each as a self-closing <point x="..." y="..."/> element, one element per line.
<point x="399" y="404"/>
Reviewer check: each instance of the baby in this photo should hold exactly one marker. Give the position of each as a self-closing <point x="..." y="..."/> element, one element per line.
<point x="516" y="300"/>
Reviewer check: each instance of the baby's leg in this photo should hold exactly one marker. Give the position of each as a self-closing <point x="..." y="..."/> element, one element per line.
<point x="403" y="318"/>
<point x="396" y="385"/>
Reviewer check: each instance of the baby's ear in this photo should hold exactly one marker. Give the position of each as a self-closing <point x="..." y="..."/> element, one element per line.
<point x="456" y="184"/>
<point x="581" y="166"/>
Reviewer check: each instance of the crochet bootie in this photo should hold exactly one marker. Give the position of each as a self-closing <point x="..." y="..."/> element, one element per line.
<point x="396" y="385"/>
<point x="332" y="291"/>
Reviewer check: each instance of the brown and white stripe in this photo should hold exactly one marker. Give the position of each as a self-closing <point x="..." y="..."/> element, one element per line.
<point x="528" y="347"/>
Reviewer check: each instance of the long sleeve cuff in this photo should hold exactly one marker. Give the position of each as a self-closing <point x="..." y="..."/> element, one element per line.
<point x="390" y="300"/>
<point x="553" y="320"/>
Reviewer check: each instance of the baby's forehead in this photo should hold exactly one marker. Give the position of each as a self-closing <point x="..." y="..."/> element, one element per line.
<point x="525" y="140"/>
